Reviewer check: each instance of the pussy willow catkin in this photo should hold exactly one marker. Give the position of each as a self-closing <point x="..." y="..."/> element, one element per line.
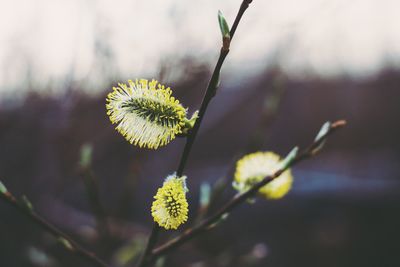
<point x="252" y="168"/>
<point x="145" y="113"/>
<point x="170" y="207"/>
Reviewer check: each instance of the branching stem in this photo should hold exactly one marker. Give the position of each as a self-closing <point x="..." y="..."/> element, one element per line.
<point x="68" y="242"/>
<point x="209" y="94"/>
<point x="240" y="198"/>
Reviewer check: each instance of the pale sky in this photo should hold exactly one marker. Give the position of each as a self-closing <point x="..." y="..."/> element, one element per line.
<point x="49" y="42"/>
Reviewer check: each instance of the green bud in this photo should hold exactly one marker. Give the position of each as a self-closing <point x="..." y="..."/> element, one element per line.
<point x="86" y="155"/>
<point x="226" y="36"/>
<point x="323" y="131"/>
<point x="223" y="25"/>
<point x="66" y="243"/>
<point x="321" y="134"/>
<point x="27" y="203"/>
<point x="205" y="190"/>
<point x="290" y="157"/>
<point x="3" y="189"/>
<point x="189" y="124"/>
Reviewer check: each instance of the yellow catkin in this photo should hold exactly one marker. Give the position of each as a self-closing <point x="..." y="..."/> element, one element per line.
<point x="254" y="167"/>
<point x="170" y="207"/>
<point x="145" y="113"/>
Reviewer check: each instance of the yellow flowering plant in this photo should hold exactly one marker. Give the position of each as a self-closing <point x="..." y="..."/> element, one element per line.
<point x="252" y="168"/>
<point x="170" y="207"/>
<point x="147" y="115"/>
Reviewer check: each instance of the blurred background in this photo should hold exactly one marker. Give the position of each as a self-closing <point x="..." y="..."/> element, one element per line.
<point x="293" y="65"/>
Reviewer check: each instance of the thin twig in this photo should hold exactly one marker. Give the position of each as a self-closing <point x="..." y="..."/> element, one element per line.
<point x="210" y="93"/>
<point x="255" y="141"/>
<point x="67" y="241"/>
<point x="241" y="197"/>
<point x="150" y="244"/>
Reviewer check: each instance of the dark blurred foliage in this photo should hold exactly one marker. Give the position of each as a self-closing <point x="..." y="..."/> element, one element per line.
<point x="343" y="209"/>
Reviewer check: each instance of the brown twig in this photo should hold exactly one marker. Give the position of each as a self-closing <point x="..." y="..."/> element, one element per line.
<point x="150" y="244"/>
<point x="210" y="93"/>
<point x="256" y="139"/>
<point x="242" y="197"/>
<point x="68" y="242"/>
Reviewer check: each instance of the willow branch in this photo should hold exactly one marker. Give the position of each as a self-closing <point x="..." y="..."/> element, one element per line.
<point x="67" y="241"/>
<point x="152" y="241"/>
<point x="210" y="93"/>
<point x="242" y="197"/>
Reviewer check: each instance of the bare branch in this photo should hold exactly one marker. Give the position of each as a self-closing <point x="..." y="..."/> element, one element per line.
<point x="67" y="241"/>
<point x="241" y="197"/>
<point x="210" y="93"/>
